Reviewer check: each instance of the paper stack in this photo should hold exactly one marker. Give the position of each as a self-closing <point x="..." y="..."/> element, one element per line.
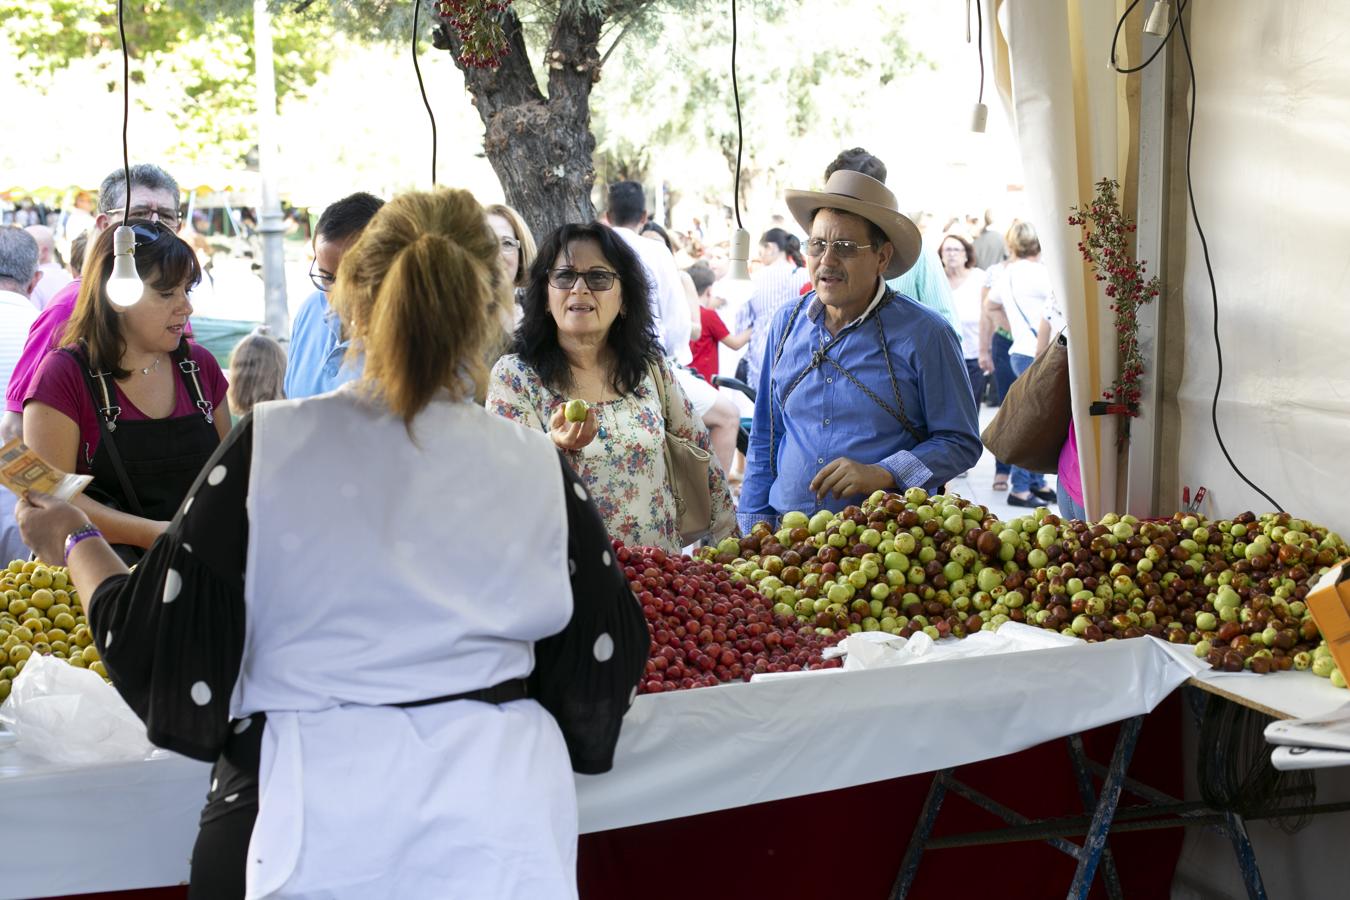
<point x="1311" y="743"/>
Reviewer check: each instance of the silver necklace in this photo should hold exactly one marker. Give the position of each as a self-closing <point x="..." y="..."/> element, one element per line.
<point x="153" y="367"/>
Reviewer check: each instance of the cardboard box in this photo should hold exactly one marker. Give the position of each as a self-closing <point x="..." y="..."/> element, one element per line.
<point x="1329" y="602"/>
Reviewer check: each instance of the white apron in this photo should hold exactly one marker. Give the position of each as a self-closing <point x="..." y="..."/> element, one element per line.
<point x="383" y="571"/>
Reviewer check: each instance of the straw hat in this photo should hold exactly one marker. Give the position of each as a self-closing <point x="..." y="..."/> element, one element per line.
<point x="864" y="196"/>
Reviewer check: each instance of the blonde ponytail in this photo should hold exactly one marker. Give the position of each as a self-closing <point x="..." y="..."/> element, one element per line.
<point x="422" y="291"/>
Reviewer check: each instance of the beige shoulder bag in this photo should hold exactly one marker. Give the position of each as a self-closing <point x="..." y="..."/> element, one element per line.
<point x="687" y="467"/>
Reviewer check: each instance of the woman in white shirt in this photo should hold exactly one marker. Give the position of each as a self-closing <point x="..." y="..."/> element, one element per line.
<point x="392" y="619"/>
<point x="1023" y="292"/>
<point x="967" y="283"/>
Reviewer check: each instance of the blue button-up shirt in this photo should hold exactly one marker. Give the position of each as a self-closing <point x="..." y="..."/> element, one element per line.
<point x="827" y="417"/>
<point x="316" y="360"/>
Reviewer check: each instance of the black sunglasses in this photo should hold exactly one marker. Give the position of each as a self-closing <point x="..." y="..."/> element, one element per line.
<point x="596" y="279"/>
<point x="148" y="232"/>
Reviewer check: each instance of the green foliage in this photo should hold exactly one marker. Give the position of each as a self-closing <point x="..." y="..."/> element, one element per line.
<point x="804" y="72"/>
<point x="198" y="56"/>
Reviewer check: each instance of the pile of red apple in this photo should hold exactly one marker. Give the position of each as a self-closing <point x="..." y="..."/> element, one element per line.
<point x="709" y="626"/>
<point x="1232" y="589"/>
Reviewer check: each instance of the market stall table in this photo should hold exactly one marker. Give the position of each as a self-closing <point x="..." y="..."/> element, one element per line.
<point x="680" y="754"/>
<point x="1291" y="694"/>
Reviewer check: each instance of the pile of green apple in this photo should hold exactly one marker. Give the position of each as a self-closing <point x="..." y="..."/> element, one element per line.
<point x="901" y="564"/>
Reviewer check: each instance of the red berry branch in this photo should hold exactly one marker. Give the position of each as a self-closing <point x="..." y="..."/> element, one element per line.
<point x="1106" y="246"/>
<point x="478" y="24"/>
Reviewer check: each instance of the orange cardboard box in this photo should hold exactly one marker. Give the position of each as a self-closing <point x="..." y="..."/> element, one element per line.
<point x="1329" y="602"/>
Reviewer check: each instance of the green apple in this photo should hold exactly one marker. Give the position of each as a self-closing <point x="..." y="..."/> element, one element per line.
<point x="575" y="410"/>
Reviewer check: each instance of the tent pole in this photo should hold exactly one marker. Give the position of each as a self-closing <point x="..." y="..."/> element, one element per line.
<point x="1142" y="474"/>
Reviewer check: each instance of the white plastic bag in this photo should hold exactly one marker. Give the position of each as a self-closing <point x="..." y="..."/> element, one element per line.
<point x="71" y="716"/>
<point x="874" y="650"/>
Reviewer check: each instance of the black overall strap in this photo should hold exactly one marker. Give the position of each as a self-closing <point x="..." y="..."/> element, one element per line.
<point x="188" y="370"/>
<point x="821" y="356"/>
<point x="106" y="415"/>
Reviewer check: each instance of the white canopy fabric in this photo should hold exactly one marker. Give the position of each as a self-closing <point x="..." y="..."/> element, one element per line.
<point x="1271" y="168"/>
<point x="1072" y="117"/>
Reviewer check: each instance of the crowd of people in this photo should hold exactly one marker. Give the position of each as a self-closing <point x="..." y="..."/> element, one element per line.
<point x="421" y="425"/>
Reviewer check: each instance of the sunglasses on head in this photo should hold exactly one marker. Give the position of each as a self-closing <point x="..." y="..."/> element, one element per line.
<point x="149" y="232"/>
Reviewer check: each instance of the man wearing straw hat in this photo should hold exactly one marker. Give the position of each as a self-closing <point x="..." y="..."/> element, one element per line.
<point x="861" y="389"/>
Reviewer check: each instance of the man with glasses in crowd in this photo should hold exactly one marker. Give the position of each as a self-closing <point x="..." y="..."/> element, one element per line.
<point x="836" y="420"/>
<point x="316" y="359"/>
<point x="154" y="196"/>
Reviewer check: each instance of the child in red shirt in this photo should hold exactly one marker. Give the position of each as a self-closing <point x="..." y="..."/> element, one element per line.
<point x="714" y="330"/>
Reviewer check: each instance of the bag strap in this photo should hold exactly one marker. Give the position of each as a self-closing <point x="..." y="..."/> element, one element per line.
<point x="107" y="424"/>
<point x="658" y="378"/>
<point x="1012" y="295"/>
<point x="821" y="356"/>
<point x="777" y="354"/>
<point x="654" y="367"/>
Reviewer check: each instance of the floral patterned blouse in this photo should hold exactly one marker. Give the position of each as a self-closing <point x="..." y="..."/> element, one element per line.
<point x="624" y="467"/>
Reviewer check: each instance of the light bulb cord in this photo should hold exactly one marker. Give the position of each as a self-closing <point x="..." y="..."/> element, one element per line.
<point x="979" y="42"/>
<point x="126" y="111"/>
<point x="1115" y="38"/>
<point x="417" y="68"/>
<point x="740" y="132"/>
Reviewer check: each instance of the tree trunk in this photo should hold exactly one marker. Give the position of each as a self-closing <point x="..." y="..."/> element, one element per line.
<point x="541" y="147"/>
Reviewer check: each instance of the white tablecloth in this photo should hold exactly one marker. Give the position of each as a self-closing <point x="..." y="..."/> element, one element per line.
<point x="691" y="752"/>
<point x="119" y="826"/>
<point x="132" y="825"/>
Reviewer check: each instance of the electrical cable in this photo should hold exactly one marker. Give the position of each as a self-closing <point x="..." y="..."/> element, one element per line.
<point x="979" y="41"/>
<point x="1209" y="269"/>
<point x="417" y="9"/>
<point x="1179" y="25"/>
<point x="740" y="133"/>
<point x="1121" y="24"/>
<point x="126" y="112"/>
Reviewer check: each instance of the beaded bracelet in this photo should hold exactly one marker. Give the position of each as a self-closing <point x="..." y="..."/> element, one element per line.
<point x="79" y="534"/>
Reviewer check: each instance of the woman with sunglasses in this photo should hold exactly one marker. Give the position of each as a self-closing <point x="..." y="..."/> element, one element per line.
<point x="588" y="334"/>
<point x="128" y="398"/>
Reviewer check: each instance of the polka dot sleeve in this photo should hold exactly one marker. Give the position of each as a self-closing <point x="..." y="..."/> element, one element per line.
<point x="587" y="674"/>
<point x="172" y="632"/>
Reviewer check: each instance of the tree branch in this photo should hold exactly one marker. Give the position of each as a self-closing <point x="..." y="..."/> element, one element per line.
<point x="612" y="47"/>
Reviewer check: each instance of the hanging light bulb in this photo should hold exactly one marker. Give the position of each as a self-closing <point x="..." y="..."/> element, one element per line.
<point x="740" y="238"/>
<point x="740" y="255"/>
<point x="124" y="287"/>
<point x="979" y="117"/>
<point x="1157" y="18"/>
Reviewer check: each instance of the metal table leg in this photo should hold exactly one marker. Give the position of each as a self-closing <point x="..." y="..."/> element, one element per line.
<point x="909" y="866"/>
<point x="1236" y="830"/>
<point x="1106" y="808"/>
<point x="1085" y="790"/>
